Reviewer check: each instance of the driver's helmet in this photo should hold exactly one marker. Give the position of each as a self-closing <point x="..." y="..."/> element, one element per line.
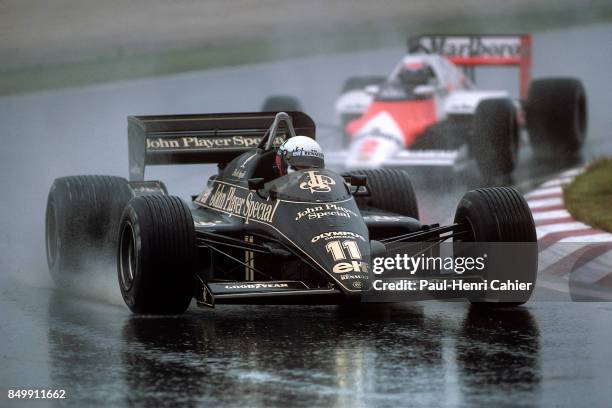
<point x="416" y="73"/>
<point x="299" y="153"/>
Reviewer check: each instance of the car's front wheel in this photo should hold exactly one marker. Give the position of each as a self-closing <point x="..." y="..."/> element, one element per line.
<point x="498" y="222"/>
<point x="81" y="224"/>
<point x="156" y="260"/>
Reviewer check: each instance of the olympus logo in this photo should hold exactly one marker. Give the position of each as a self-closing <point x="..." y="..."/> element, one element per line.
<point x="336" y="234"/>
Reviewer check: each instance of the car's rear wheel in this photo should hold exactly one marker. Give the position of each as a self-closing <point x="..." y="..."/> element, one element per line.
<point x="390" y="191"/>
<point x="81" y="223"/>
<point x="556" y="114"/>
<point x="157" y="255"/>
<point x="496" y="137"/>
<point x="281" y="103"/>
<point x="499" y="220"/>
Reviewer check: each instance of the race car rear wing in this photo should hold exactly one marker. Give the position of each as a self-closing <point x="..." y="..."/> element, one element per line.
<point x="205" y="138"/>
<point x="480" y="50"/>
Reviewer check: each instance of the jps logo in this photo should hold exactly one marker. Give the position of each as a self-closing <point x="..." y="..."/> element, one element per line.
<point x="317" y="183"/>
<point x="354" y="266"/>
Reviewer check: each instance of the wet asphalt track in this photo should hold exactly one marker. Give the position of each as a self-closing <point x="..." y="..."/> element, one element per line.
<point x="551" y="352"/>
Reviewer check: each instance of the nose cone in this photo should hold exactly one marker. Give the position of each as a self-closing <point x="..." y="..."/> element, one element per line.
<point x="344" y="256"/>
<point x="319" y="217"/>
<point x="334" y="238"/>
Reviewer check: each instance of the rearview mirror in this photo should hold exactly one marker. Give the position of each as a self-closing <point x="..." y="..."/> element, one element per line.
<point x="359" y="180"/>
<point x="355" y="182"/>
<point x="372" y="89"/>
<point x="256" y="183"/>
<point x="424" y="90"/>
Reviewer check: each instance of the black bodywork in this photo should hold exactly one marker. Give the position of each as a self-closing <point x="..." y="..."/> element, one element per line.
<point x="265" y="238"/>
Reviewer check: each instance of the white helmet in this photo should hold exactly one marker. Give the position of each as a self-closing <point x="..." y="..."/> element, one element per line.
<point x="299" y="152"/>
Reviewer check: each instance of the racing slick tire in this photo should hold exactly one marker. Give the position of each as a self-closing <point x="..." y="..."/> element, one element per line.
<point x="499" y="215"/>
<point x="556" y="115"/>
<point x="495" y="137"/>
<point x="390" y="190"/>
<point x="281" y="103"/>
<point x="81" y="223"/>
<point x="156" y="255"/>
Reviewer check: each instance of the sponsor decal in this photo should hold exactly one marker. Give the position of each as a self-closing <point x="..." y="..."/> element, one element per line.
<point x="325" y="236"/>
<point x="205" y="142"/>
<point x="317" y="183"/>
<point x="470" y="46"/>
<point x="325" y="210"/>
<point x="342" y="250"/>
<point x="353" y="266"/>
<point x="237" y="202"/>
<point x="358" y="284"/>
<point x="307" y="153"/>
<point x="348" y="276"/>
<point x="238" y="172"/>
<point x="203" y="197"/>
<point x="256" y="285"/>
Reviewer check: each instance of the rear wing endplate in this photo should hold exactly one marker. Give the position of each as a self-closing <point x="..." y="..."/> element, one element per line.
<point x="205" y="138"/>
<point x="480" y="50"/>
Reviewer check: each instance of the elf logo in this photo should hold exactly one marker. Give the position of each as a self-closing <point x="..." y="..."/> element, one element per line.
<point x="353" y="266"/>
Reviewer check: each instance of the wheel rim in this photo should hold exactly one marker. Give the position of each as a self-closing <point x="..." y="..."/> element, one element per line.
<point x="128" y="252"/>
<point x="472" y="236"/>
<point x="51" y="233"/>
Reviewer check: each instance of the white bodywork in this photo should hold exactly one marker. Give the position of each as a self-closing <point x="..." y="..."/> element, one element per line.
<point x="380" y="141"/>
<point x="457" y="95"/>
<point x="353" y="102"/>
<point x="465" y="102"/>
<point x="372" y="145"/>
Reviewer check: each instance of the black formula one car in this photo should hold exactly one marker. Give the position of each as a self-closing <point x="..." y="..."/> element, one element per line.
<point x="252" y="236"/>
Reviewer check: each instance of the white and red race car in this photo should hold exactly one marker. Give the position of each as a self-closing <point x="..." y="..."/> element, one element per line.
<point x="428" y="112"/>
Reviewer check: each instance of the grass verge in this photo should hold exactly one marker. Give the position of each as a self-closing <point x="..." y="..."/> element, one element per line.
<point x="589" y="196"/>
